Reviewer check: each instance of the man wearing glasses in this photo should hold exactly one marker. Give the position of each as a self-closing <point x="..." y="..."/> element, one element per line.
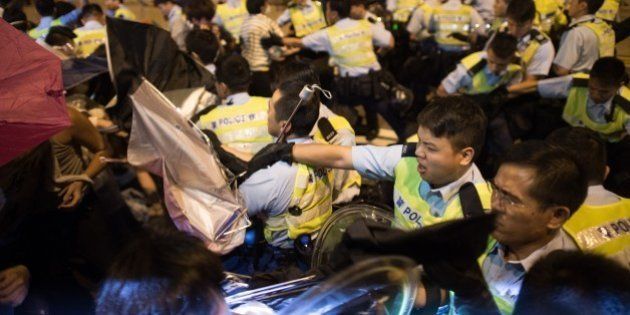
<point x="536" y="189"/>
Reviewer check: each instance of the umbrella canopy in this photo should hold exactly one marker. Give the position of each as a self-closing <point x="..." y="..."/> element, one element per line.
<point x="143" y="50"/>
<point x="78" y="70"/>
<point x="197" y="188"/>
<point x="32" y="105"/>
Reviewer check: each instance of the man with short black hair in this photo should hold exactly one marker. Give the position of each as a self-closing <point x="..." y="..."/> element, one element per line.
<point x="536" y="189"/>
<point x="484" y="71"/>
<point x="595" y="227"/>
<point x="587" y="39"/>
<point x="204" y="46"/>
<point x="92" y="34"/>
<point x="176" y="21"/>
<point x="240" y="122"/>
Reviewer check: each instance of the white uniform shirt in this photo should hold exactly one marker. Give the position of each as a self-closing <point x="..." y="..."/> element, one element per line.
<point x="178" y="27"/>
<point x="461" y="79"/>
<point x="90" y="26"/>
<point x="542" y="59"/>
<point x="559" y="88"/>
<point x="579" y="47"/>
<point x="319" y="41"/>
<point x="254" y="28"/>
<point x="418" y="23"/>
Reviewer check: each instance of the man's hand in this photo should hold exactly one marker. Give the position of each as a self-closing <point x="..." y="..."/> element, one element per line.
<point x="14" y="284"/>
<point x="71" y="194"/>
<point x="269" y="155"/>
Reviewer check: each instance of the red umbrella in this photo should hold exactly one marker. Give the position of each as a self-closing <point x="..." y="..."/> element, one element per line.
<point x="32" y="105"/>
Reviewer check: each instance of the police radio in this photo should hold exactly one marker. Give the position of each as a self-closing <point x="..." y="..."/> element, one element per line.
<point x="305" y="95"/>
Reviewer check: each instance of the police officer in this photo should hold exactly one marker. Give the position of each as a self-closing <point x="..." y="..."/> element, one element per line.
<point x="46" y="10"/>
<point x="535" y="191"/>
<point x="600" y="102"/>
<point x="350" y="43"/>
<point x="231" y="15"/>
<point x="549" y="15"/>
<point x="241" y="121"/>
<point x="428" y="177"/>
<point x="293" y="199"/>
<point x="608" y="11"/>
<point x="587" y="39"/>
<point x="535" y="49"/>
<point x="482" y="72"/>
<point x="402" y="9"/>
<point x="306" y="16"/>
<point x="418" y="25"/>
<point x="117" y="9"/>
<point x="453" y="17"/>
<point x="602" y="223"/>
<point x="92" y="34"/>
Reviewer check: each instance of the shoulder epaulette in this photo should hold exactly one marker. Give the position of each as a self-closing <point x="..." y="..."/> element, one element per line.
<point x="622" y="102"/>
<point x="579" y="82"/>
<point x="409" y="149"/>
<point x="538" y="36"/>
<point x="326" y="128"/>
<point x="372" y="20"/>
<point x="477" y="67"/>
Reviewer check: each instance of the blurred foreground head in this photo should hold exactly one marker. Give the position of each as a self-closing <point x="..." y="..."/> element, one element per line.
<point x="165" y="272"/>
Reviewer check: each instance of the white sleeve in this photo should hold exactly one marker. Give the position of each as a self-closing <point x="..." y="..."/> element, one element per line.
<point x="416" y="23"/>
<point x="381" y="37"/>
<point x="269" y="190"/>
<point x="542" y="60"/>
<point x="284" y="18"/>
<point x="455" y="80"/>
<point x="555" y="87"/>
<point x="376" y="162"/>
<point x="391" y="5"/>
<point x="317" y="41"/>
<point x="569" y="53"/>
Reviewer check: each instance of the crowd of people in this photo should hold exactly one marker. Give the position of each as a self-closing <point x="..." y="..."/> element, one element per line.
<point x="512" y="110"/>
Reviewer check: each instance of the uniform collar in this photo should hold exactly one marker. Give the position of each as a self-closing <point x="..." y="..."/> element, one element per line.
<point x="91" y="25"/>
<point x="581" y="19"/>
<point x="561" y="241"/>
<point x="606" y="107"/>
<point x="472" y="175"/>
<point x="237" y="99"/>
<point x="597" y="193"/>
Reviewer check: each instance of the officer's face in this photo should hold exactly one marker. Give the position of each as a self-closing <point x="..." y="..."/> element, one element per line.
<point x="273" y="126"/>
<point x="520" y="218"/>
<point x="495" y="64"/>
<point x="499" y="8"/>
<point x="438" y="161"/>
<point x="576" y="7"/>
<point x="111" y="4"/>
<point x="518" y="30"/>
<point x="601" y="93"/>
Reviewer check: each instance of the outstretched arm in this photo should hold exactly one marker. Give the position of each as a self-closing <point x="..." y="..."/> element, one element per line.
<point x="324" y="155"/>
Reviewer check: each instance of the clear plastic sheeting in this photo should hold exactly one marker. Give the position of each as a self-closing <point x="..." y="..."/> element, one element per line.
<point x="384" y="285"/>
<point x="333" y="230"/>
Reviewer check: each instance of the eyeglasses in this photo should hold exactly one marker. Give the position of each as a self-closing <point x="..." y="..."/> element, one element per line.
<point x="503" y="197"/>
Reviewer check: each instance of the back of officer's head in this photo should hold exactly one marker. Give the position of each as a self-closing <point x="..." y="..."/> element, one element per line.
<point x="234" y="72"/>
<point x="574" y="283"/>
<point x="45" y="7"/>
<point x="63" y="8"/>
<point x="163" y="272"/>
<point x="456" y="118"/>
<point x="296" y="70"/>
<point x="521" y="11"/>
<point x="503" y="45"/>
<point x="16" y="18"/>
<point x="558" y="179"/>
<point x="204" y="44"/>
<point x="586" y="147"/>
<point x="199" y="11"/>
<point x="609" y="71"/>
<point x="255" y="6"/>
<point x="287" y="97"/>
<point x="343" y="7"/>
<point x="91" y="10"/>
<point x="593" y="5"/>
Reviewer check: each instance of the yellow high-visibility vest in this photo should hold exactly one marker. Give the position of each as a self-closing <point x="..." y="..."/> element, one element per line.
<point x="605" y="36"/>
<point x="233" y="18"/>
<point x="352" y="46"/>
<point x="448" y="22"/>
<point x="88" y="40"/>
<point x="475" y="63"/>
<point x="404" y="8"/>
<point x="608" y="11"/>
<point x="242" y="127"/>
<point x="124" y="13"/>
<point x="310" y="22"/>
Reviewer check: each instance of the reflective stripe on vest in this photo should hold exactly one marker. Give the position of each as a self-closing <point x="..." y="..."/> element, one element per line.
<point x="352" y="46"/>
<point x="605" y="36"/>
<point x="452" y="21"/>
<point x="242" y="127"/>
<point x="125" y="13"/>
<point x="475" y="65"/>
<point x="308" y="22"/>
<point x="312" y="197"/>
<point x="601" y="229"/>
<point x="608" y="10"/>
<point x="88" y="40"/>
<point x="575" y="113"/>
<point x="233" y="18"/>
<point x="411" y="211"/>
<point x="404" y="8"/>
<point x="41" y="33"/>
